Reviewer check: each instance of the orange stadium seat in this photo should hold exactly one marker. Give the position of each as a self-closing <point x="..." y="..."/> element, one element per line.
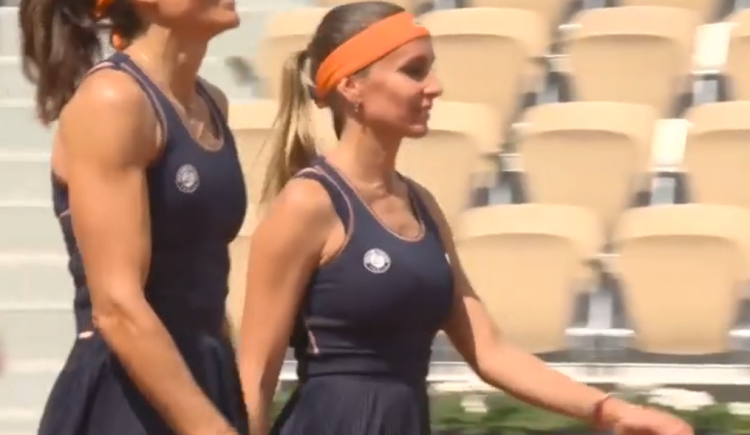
<point x="503" y="248"/>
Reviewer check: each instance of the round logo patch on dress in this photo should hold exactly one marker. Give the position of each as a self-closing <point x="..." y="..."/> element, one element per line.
<point x="376" y="261"/>
<point x="187" y="179"/>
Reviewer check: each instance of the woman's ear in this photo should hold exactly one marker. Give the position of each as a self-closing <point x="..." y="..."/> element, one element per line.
<point x="350" y="89"/>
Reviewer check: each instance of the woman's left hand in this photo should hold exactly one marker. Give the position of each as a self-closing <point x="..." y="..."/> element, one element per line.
<point x="638" y="420"/>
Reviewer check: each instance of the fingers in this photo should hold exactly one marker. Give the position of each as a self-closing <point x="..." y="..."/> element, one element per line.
<point x="652" y="422"/>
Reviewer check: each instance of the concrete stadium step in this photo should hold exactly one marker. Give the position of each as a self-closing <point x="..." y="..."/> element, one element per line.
<point x="19" y="421"/>
<point x="252" y="13"/>
<point x="29" y="228"/>
<point x="216" y="71"/>
<point x="17" y="105"/>
<point x="21" y="130"/>
<point x="35" y="279"/>
<point x="9" y="31"/>
<point x="37" y="331"/>
<point x="13" y="84"/>
<point x="15" y="88"/>
<point x="242" y="41"/>
<point x="25" y="177"/>
<point x="27" y="384"/>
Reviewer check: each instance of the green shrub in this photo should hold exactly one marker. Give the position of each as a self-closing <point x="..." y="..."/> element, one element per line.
<point x="508" y="416"/>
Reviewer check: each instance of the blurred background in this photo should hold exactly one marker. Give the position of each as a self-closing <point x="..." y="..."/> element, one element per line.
<point x="593" y="158"/>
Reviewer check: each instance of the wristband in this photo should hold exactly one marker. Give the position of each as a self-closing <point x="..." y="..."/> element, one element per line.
<point x="597" y="413"/>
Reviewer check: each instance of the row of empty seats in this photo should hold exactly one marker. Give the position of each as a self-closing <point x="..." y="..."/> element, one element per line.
<point x="682" y="268"/>
<point x="595" y="155"/>
<point x="493" y="56"/>
<point x="583" y="163"/>
<point x="554" y="11"/>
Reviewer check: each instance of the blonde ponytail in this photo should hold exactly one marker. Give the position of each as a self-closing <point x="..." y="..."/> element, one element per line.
<point x="293" y="139"/>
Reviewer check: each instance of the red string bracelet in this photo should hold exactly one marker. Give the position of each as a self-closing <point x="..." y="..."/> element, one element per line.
<point x="597" y="414"/>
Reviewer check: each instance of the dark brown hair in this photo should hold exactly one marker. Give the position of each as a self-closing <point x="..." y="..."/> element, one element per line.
<point x="293" y="141"/>
<point x="60" y="43"/>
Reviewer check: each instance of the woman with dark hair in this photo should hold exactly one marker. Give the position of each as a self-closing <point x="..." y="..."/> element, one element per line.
<point x="149" y="192"/>
<point x="357" y="263"/>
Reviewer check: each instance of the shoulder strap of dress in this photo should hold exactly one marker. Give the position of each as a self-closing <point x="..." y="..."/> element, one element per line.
<point x="340" y="202"/>
<point x="119" y="62"/>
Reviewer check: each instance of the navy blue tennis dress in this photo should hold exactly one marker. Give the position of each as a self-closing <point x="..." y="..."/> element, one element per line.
<point x="198" y="201"/>
<point x="365" y="331"/>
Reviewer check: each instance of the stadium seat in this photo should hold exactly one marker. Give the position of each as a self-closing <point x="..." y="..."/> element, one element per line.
<point x="525" y="262"/>
<point x="552" y="12"/>
<point x="681" y="268"/>
<point x="285" y="33"/>
<point x="738" y="56"/>
<point x="706" y="9"/>
<point x="635" y="54"/>
<point x="594" y="155"/>
<point x="239" y="250"/>
<point x="488" y="55"/>
<point x="252" y="124"/>
<point x="409" y="5"/>
<point x="450" y="157"/>
<point x="717" y="153"/>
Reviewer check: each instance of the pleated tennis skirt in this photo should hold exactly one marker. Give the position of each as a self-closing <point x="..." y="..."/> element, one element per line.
<point x="355" y="405"/>
<point x="94" y="396"/>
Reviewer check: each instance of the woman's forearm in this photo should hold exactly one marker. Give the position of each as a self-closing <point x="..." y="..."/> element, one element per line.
<point x="528" y="378"/>
<point x="151" y="358"/>
<point x="259" y="378"/>
<point x="259" y="414"/>
<point x="258" y="400"/>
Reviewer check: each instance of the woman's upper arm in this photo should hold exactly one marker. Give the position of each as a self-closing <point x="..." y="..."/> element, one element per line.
<point x="470" y="327"/>
<point x="286" y="248"/>
<point x="108" y="140"/>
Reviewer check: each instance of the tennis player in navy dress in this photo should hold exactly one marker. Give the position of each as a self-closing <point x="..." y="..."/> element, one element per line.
<point x="149" y="192"/>
<point x="357" y="265"/>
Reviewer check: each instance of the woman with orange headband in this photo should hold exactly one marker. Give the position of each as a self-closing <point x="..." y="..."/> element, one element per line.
<point x="149" y="192"/>
<point x="357" y="265"/>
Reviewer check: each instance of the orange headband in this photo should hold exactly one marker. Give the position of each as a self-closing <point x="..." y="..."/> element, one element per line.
<point x="100" y="8"/>
<point x="364" y="48"/>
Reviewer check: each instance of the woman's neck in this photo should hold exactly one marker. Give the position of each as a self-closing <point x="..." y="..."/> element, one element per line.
<point x="174" y="63"/>
<point x="367" y="159"/>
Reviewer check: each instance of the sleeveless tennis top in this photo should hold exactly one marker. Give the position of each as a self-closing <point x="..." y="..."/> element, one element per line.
<point x="197" y="203"/>
<point x="366" y="326"/>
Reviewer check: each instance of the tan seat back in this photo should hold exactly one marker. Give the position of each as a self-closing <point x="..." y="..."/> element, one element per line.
<point x="594" y="155"/>
<point x="524" y="262"/>
<point x="487" y="55"/>
<point x="445" y="161"/>
<point x="717" y="153"/>
<point x="705" y="9"/>
<point x="550" y="11"/>
<point x="239" y="251"/>
<point x="636" y="54"/>
<point x="681" y="268"/>
<point x="738" y="56"/>
<point x="285" y="33"/>
<point x="253" y="124"/>
<point x="409" y="5"/>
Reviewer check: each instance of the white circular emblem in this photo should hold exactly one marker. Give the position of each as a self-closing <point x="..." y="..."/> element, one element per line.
<point x="187" y="179"/>
<point x="376" y="261"/>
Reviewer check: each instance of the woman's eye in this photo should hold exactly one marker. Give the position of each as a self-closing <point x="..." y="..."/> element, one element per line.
<point x="415" y="72"/>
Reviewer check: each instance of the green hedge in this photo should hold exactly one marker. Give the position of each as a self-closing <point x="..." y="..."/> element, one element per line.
<point x="505" y="415"/>
<point x="509" y="416"/>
